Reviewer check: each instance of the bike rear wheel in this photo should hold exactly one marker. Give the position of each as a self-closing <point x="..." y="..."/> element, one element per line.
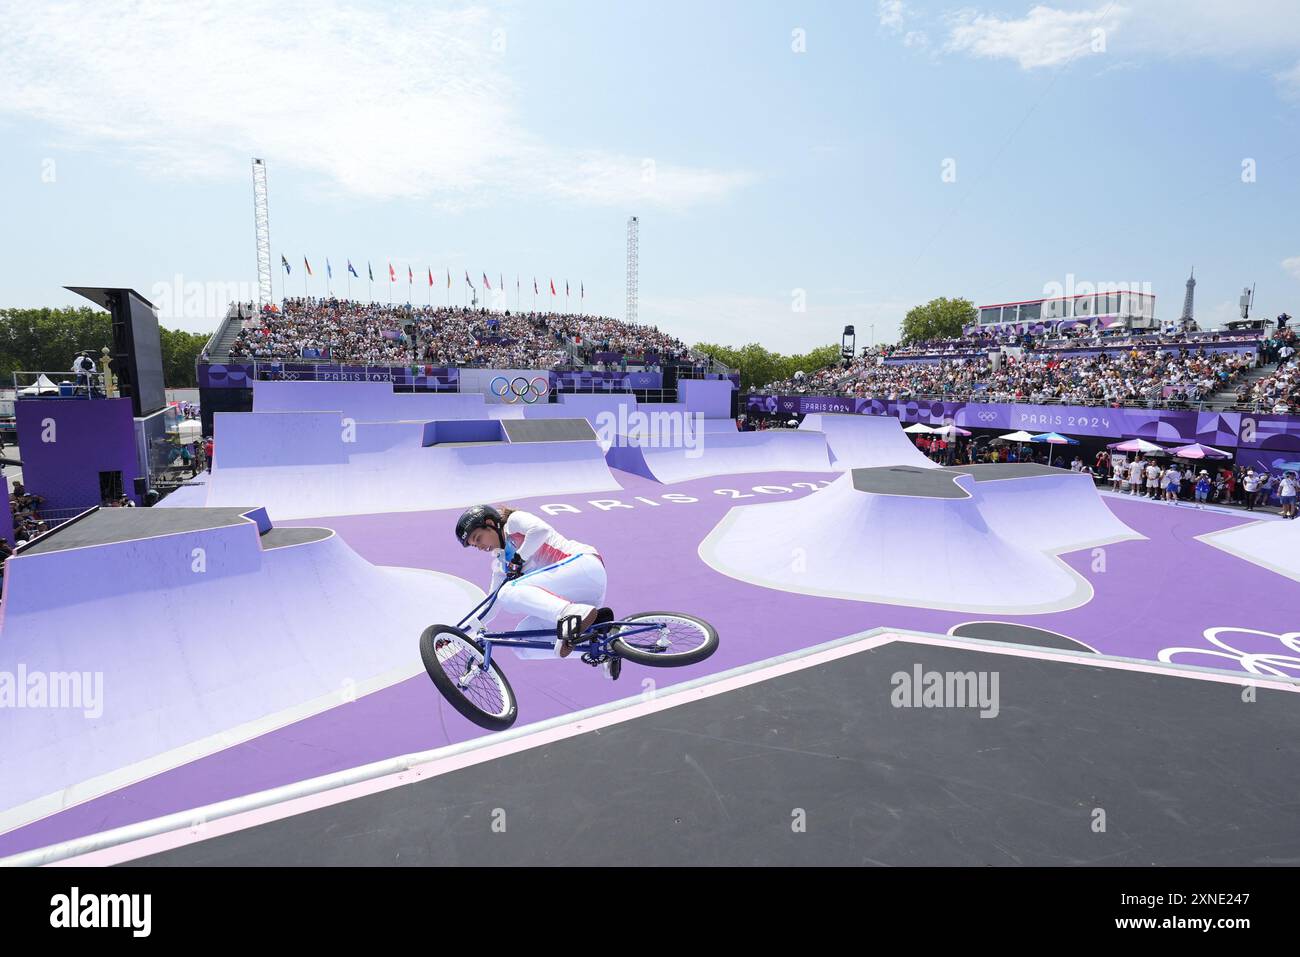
<point x="455" y="663"/>
<point x="682" y="640"/>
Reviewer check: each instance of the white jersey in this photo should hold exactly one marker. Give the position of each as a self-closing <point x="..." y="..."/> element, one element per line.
<point x="536" y="543"/>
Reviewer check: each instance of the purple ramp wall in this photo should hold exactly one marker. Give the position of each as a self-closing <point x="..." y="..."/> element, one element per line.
<point x="66" y="443"/>
<point x="269" y="637"/>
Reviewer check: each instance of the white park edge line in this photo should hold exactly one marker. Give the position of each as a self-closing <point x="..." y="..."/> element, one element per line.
<point x="188" y="827"/>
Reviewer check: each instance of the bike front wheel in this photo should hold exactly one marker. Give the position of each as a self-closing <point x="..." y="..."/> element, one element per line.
<point x="455" y="663"/>
<point x="676" y="640"/>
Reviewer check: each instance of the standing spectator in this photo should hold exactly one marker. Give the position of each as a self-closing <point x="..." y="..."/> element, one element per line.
<point x="1202" y="488"/>
<point x="1153" y="480"/>
<point x="207" y="452"/>
<point x="1249" y="486"/>
<point x="1229" y="494"/>
<point x="1171" y="479"/>
<point x="1286" y="494"/>
<point x="1136" y="472"/>
<point x="1265" y="486"/>
<point x="84" y="367"/>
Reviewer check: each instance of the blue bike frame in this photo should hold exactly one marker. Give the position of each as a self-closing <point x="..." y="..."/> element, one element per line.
<point x="595" y="641"/>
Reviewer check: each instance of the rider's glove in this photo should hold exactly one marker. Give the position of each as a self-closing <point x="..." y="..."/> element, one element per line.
<point x="515" y="568"/>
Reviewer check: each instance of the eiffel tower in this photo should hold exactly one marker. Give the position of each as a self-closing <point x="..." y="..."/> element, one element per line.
<point x="1187" y="322"/>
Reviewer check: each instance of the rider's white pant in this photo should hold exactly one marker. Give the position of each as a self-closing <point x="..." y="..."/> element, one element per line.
<point x="543" y="596"/>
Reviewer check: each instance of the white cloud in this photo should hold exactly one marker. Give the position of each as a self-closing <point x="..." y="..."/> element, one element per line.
<point x="404" y="102"/>
<point x="1043" y="37"/>
<point x="1288" y="82"/>
<point x="1292" y="266"/>
<point x="1246" y="33"/>
<point x="891" y="15"/>
<point x="916" y="38"/>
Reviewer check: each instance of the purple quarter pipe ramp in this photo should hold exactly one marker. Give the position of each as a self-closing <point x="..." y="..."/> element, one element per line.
<point x="865" y="441"/>
<point x="153" y="637"/>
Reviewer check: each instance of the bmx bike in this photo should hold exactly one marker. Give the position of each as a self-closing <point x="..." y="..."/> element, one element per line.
<point x="467" y="673"/>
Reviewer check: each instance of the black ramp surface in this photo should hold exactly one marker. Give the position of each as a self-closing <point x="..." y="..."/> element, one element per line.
<point x="110" y="525"/>
<point x="1081" y="765"/>
<point x="1013" y="634"/>
<point x="1001" y="471"/>
<point x="548" y="430"/>
<point x="283" y="537"/>
<point x="910" y="481"/>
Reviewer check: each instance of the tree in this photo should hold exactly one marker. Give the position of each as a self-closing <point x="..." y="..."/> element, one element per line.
<point x="45" y="340"/>
<point x="938" y="319"/>
<point x="759" y="366"/>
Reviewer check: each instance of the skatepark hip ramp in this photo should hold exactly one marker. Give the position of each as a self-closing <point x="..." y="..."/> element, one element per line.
<point x="938" y="538"/>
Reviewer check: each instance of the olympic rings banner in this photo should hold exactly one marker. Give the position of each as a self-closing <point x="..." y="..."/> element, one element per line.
<point x="1225" y="430"/>
<point x="520" y="388"/>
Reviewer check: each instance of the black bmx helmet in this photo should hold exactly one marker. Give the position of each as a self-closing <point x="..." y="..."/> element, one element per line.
<point x="476" y="517"/>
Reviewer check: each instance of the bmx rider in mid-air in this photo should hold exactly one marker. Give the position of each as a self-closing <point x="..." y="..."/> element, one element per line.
<point x="547" y="576"/>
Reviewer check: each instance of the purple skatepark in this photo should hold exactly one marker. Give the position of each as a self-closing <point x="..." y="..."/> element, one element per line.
<point x="262" y="698"/>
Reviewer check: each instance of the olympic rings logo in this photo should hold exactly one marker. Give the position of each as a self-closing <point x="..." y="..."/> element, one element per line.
<point x="520" y="388"/>
<point x="988" y="416"/>
<point x="1266" y="663"/>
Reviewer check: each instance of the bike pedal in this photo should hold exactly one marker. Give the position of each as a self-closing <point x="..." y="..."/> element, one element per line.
<point x="569" y="628"/>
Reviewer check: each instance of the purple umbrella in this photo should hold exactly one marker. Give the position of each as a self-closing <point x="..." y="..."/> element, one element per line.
<point x="1198" y="451"/>
<point x="1136" y="445"/>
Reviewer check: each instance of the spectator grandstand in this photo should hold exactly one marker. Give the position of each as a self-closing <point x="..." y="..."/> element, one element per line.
<point x="1212" y="369"/>
<point x="341" y="330"/>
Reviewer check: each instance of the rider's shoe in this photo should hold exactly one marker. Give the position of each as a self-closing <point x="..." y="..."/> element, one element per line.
<point x="563" y="646"/>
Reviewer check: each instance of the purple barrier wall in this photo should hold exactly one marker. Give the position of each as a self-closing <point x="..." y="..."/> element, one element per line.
<point x="66" y="443"/>
<point x="712" y="397"/>
<point x="1226" y="430"/>
<point x="239" y="375"/>
<point x="364" y="401"/>
<point x="607" y="380"/>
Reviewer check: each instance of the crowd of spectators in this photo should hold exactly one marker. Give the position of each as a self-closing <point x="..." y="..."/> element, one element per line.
<point x="1279" y="391"/>
<point x="24" y="507"/>
<point x="1114" y="378"/>
<point x="343" y="331"/>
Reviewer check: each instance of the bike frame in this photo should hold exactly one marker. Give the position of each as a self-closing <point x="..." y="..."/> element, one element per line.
<point x="596" y="640"/>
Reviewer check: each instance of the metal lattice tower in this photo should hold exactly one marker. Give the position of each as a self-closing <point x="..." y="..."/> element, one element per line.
<point x="1187" y="297"/>
<point x="633" y="267"/>
<point x="262" y="231"/>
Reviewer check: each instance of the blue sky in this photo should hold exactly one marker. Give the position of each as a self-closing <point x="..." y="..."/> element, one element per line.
<point x="1103" y="141"/>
